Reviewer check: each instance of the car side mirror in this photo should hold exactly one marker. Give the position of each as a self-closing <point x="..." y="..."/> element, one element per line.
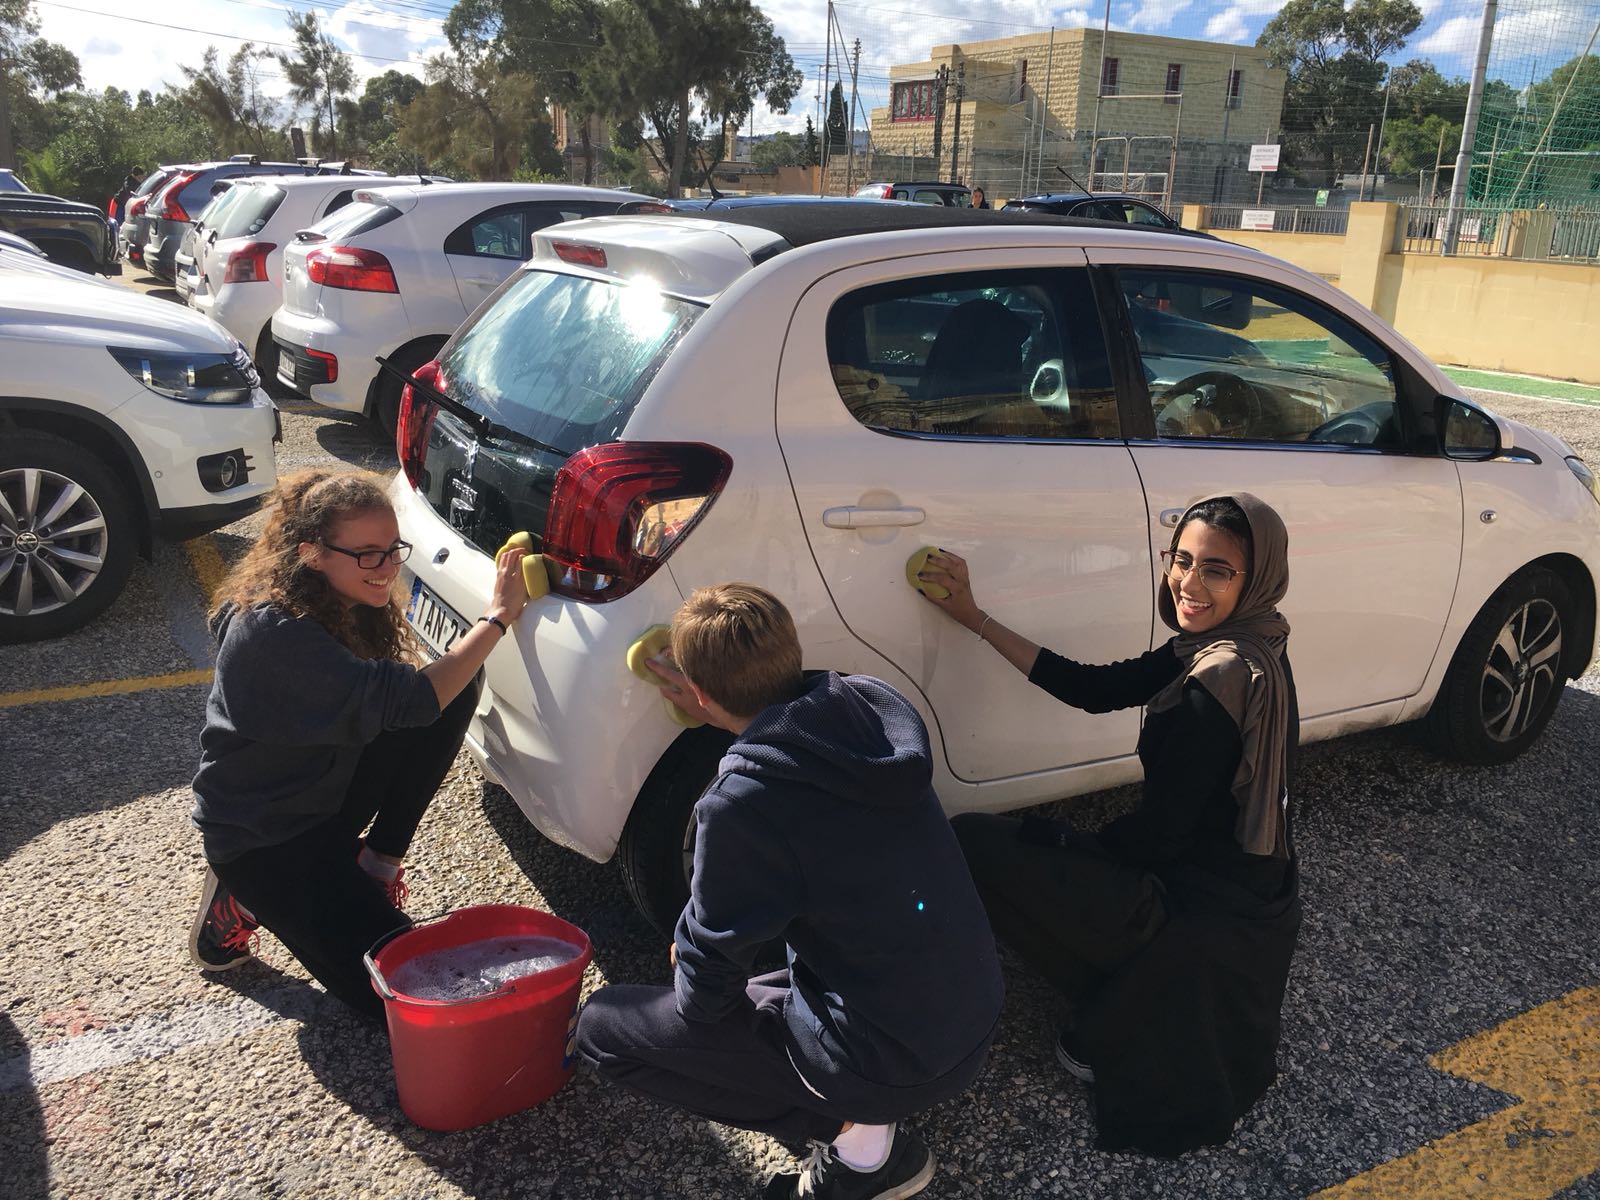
<point x="1469" y="434"/>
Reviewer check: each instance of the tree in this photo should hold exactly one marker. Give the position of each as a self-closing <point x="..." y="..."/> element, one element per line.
<point x="1333" y="55"/>
<point x="837" y="123"/>
<point x="28" y="63"/>
<point x="471" y="111"/>
<point x="811" y="152"/>
<point x="779" y="150"/>
<point x="369" y="126"/>
<point x="665" y="61"/>
<point x="318" y="74"/>
<point x="233" y="103"/>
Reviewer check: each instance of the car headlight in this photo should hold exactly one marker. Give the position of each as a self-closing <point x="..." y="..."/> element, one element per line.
<point x="192" y="378"/>
<point x="1584" y="474"/>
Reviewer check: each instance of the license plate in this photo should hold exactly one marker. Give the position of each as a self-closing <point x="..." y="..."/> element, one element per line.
<point x="436" y="623"/>
<point x="285" y="370"/>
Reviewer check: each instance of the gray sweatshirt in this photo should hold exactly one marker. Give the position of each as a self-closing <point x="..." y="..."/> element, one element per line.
<point x="291" y="710"/>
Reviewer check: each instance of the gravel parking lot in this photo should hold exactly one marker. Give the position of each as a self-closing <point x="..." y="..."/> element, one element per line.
<point x="1441" y="902"/>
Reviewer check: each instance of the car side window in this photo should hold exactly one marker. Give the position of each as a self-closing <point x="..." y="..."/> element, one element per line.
<point x="541" y="216"/>
<point x="498" y="233"/>
<point x="340" y="199"/>
<point x="927" y="196"/>
<point x="1236" y="358"/>
<point x="1139" y="214"/>
<point x="998" y="355"/>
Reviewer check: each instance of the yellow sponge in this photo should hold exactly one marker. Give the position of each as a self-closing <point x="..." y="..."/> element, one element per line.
<point x="534" y="576"/>
<point x="650" y="645"/>
<point x="918" y="563"/>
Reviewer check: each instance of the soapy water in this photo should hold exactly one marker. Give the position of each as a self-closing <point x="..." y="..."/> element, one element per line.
<point x="478" y="968"/>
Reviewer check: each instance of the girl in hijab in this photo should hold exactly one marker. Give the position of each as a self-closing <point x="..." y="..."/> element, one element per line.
<point x="1194" y="894"/>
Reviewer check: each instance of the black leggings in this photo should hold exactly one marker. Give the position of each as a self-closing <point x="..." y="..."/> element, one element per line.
<point x="1072" y="911"/>
<point x="310" y="891"/>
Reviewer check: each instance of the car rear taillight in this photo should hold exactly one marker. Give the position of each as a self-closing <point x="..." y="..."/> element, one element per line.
<point x="248" y="264"/>
<point x="136" y="206"/>
<point x="171" y="210"/>
<point x="416" y="422"/>
<point x="350" y="268"/>
<point x="583" y="256"/>
<point x="888" y="193"/>
<point x="617" y="510"/>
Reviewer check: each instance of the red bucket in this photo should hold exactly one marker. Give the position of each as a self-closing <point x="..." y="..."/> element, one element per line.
<point x="459" y="1063"/>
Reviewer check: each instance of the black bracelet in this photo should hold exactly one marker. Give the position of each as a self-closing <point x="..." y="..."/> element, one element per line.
<point x="496" y="622"/>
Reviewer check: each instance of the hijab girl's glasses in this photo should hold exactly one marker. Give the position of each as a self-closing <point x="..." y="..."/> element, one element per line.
<point x="1216" y="578"/>
<point x="371" y="560"/>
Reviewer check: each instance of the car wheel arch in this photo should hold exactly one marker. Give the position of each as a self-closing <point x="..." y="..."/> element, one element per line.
<point x="99" y="434"/>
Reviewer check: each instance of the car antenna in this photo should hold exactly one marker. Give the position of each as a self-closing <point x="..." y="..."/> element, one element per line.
<point x="1074" y="182"/>
<point x="422" y="180"/>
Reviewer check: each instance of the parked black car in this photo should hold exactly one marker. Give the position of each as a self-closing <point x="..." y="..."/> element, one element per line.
<point x="951" y="195"/>
<point x="72" y="234"/>
<point x="1102" y="206"/>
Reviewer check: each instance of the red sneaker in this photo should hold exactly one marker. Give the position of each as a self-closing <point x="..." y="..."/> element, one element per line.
<point x="223" y="936"/>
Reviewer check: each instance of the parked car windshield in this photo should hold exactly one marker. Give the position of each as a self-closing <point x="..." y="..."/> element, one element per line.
<point x="10" y="183"/>
<point x="356" y="218"/>
<point x="249" y="214"/>
<point x="564" y="359"/>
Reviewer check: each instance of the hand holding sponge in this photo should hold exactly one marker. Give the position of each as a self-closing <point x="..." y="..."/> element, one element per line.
<point x="650" y="645"/>
<point x="534" y="576"/>
<point x="918" y="563"/>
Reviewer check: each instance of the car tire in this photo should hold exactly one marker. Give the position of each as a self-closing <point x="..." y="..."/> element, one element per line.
<point x="266" y="359"/>
<point x="386" y="399"/>
<point x="655" y="852"/>
<point x="1508" y="673"/>
<point x="39" y="472"/>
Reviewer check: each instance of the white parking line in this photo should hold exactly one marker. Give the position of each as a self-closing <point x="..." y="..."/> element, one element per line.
<point x="156" y="1036"/>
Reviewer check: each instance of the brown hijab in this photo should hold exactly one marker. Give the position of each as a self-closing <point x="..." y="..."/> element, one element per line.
<point x="1240" y="664"/>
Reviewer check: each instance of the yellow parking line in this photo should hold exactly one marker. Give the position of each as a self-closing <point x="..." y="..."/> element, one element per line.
<point x="209" y="569"/>
<point x="105" y="687"/>
<point x="1550" y="1059"/>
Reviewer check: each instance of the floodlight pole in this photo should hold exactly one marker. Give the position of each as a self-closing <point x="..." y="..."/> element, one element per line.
<point x="1469" y="132"/>
<point x="1049" y="77"/>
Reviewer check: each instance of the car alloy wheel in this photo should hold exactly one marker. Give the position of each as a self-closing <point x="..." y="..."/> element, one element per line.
<point x="1522" y="669"/>
<point x="53" y="541"/>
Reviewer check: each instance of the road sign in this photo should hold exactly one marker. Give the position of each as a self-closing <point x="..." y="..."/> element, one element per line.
<point x="1322" y="197"/>
<point x="1258" y="219"/>
<point x="1264" y="157"/>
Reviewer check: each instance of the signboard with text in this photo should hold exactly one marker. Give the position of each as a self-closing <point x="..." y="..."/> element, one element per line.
<point x="1264" y="157"/>
<point x="1258" y="219"/>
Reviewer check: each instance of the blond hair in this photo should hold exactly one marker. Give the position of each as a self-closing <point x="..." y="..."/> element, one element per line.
<point x="736" y="642"/>
<point x="307" y="507"/>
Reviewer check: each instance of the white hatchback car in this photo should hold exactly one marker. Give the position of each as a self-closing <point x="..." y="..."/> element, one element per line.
<point x="395" y="272"/>
<point x="803" y="395"/>
<point x="238" y="279"/>
<point x="121" y="418"/>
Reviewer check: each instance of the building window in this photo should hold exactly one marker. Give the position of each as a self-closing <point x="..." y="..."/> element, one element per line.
<point x="1235" y="87"/>
<point x="1174" y="80"/>
<point x="1108" y="77"/>
<point x="913" y="101"/>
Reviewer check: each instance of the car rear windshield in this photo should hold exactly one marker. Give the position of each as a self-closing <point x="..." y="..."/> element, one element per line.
<point x="355" y="219"/>
<point x="564" y="359"/>
<point x="248" y="215"/>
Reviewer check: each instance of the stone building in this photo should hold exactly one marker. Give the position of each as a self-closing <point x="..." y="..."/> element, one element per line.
<point x="1170" y="117"/>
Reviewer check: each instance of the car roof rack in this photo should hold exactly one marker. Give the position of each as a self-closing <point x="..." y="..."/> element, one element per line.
<point x="253" y="159"/>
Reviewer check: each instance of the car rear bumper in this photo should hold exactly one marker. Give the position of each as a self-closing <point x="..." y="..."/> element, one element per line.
<point x="306" y="372"/>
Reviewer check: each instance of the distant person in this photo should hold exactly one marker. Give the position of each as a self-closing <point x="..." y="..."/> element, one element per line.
<point x="130" y="185"/>
<point x="979" y="200"/>
<point x="320" y="724"/>
<point x="1170" y="932"/>
<point x="822" y="830"/>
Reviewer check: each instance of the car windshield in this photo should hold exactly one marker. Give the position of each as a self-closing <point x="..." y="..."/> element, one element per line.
<point x="249" y="213"/>
<point x="564" y="359"/>
<point x="10" y="183"/>
<point x="355" y="218"/>
<point x="211" y="215"/>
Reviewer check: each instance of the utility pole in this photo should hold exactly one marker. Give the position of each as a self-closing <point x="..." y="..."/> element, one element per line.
<point x="955" y="138"/>
<point x="850" y="152"/>
<point x="827" y="138"/>
<point x="820" y="131"/>
<point x="1366" y="158"/>
<point x="941" y="81"/>
<point x="1099" y="91"/>
<point x="1049" y="77"/>
<point x="1469" y="132"/>
<point x="1383" y="120"/>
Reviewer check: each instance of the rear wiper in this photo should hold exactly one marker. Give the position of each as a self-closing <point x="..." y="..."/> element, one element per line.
<point x="483" y="426"/>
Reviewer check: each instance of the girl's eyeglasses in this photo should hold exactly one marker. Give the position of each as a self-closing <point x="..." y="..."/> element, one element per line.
<point x="1214" y="577"/>
<point x="371" y="560"/>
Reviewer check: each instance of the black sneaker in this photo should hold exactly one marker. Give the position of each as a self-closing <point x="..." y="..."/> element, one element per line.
<point x="905" y="1172"/>
<point x="1070" y="1056"/>
<point x="223" y="937"/>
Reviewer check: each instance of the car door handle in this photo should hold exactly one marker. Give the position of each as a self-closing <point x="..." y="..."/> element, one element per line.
<point x="486" y="280"/>
<point x="871" y="518"/>
<point x="1170" y="516"/>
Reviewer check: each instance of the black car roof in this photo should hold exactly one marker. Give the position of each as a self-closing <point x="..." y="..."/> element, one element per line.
<point x="804" y="222"/>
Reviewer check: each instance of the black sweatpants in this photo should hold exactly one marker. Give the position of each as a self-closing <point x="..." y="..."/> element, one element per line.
<point x="311" y="893"/>
<point x="1059" y="899"/>
<point x="735" y="1071"/>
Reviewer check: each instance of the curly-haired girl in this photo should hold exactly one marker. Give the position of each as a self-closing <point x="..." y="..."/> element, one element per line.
<point x="320" y="724"/>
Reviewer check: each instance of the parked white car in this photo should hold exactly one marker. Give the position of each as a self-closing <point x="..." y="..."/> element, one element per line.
<point x="122" y="418"/>
<point x="803" y="395"/>
<point x="238" y="279"/>
<point x="394" y="273"/>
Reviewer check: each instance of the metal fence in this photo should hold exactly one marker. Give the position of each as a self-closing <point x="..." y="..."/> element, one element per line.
<point x="1536" y="234"/>
<point x="1305" y="219"/>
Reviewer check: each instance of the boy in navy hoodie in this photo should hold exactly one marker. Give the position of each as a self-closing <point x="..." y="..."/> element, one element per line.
<point x="821" y="829"/>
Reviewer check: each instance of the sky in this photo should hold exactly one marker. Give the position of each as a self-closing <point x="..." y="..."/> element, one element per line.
<point x="123" y="45"/>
